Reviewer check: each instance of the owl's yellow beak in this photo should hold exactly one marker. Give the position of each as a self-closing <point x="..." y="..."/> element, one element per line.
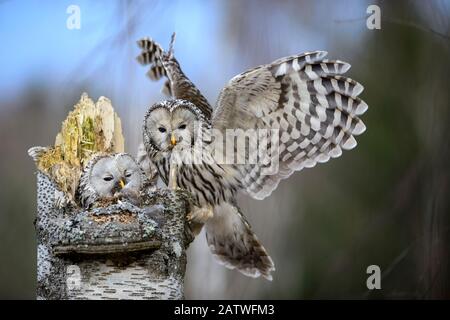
<point x="173" y="140"/>
<point x="121" y="183"/>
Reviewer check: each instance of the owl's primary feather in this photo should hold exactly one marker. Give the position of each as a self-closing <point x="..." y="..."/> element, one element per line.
<point x="305" y="97"/>
<point x="164" y="64"/>
<point x="310" y="112"/>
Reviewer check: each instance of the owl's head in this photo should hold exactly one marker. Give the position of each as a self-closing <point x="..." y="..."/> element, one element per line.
<point x="171" y="124"/>
<point x="106" y="176"/>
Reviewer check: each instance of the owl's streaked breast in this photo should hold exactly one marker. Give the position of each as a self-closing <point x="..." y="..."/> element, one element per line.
<point x="208" y="182"/>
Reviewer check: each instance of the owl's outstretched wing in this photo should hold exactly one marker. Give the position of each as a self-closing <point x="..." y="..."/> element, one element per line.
<point x="313" y="108"/>
<point x="164" y="64"/>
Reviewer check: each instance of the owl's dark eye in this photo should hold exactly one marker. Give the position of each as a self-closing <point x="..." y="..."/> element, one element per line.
<point x="128" y="174"/>
<point x="108" y="178"/>
<point x="162" y="129"/>
<point x="183" y="126"/>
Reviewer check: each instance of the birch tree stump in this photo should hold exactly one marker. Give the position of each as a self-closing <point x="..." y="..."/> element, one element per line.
<point x="117" y="252"/>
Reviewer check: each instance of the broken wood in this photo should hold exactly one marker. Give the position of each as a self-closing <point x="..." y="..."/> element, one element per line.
<point x="118" y="251"/>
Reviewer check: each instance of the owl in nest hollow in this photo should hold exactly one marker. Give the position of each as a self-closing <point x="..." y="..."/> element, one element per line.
<point x="269" y="122"/>
<point x="109" y="178"/>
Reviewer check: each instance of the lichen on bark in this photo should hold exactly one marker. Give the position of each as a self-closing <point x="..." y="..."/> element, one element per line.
<point x="116" y="251"/>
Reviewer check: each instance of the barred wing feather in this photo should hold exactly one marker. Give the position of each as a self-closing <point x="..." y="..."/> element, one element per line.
<point x="308" y="99"/>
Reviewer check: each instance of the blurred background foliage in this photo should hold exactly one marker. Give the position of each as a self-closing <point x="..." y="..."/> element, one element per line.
<point x="384" y="203"/>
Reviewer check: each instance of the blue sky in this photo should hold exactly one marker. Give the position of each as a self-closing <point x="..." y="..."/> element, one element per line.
<point x="37" y="43"/>
<point x="38" y="47"/>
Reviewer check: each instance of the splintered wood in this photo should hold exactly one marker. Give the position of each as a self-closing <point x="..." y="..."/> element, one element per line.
<point x="89" y="129"/>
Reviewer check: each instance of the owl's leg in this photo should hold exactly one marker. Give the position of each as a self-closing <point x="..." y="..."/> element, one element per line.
<point x="197" y="216"/>
<point x="200" y="215"/>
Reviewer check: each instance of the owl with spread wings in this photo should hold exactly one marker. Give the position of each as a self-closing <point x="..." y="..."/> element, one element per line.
<point x="307" y="110"/>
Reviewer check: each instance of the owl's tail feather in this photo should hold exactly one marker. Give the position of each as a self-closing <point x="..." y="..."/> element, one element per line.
<point x="235" y="245"/>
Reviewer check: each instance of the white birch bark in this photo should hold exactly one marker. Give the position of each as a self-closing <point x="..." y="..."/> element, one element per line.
<point x="118" y="252"/>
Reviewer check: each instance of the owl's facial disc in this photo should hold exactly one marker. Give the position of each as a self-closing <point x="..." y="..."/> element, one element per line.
<point x="104" y="177"/>
<point x="171" y="130"/>
<point x="183" y="123"/>
<point x="112" y="174"/>
<point x="129" y="173"/>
